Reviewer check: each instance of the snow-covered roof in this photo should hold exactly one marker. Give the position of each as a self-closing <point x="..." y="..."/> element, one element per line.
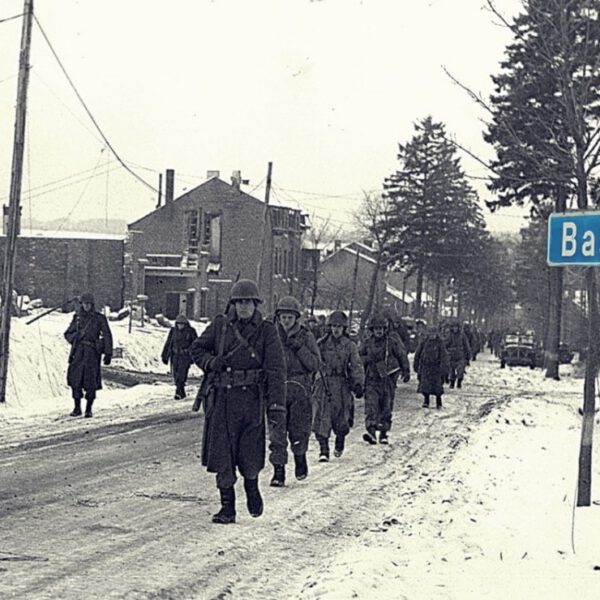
<point x="84" y="235"/>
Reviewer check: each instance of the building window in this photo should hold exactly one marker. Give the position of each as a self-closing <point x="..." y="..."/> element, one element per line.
<point x="192" y="226"/>
<point x="215" y="238"/>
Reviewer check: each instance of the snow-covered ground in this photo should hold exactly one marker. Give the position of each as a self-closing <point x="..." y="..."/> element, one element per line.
<point x="38" y="362"/>
<point x="498" y="521"/>
<point x="474" y="501"/>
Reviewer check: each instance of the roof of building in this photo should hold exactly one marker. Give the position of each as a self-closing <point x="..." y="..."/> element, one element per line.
<point x="60" y="234"/>
<point x="349" y="249"/>
<point x="212" y="189"/>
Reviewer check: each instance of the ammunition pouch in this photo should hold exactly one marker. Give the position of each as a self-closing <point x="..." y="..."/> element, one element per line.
<point x="381" y="368"/>
<point x="238" y="378"/>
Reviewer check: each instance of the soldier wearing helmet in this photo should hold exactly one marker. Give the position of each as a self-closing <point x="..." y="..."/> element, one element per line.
<point x="177" y="352"/>
<point x="459" y="353"/>
<point x="431" y="366"/>
<point x="242" y="358"/>
<point x="341" y="375"/>
<point x="90" y="337"/>
<point x="302" y="361"/>
<point x="385" y="359"/>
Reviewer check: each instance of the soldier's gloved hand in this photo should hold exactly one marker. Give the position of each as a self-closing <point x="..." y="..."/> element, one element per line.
<point x="358" y="390"/>
<point x="406" y="377"/>
<point x="294" y="343"/>
<point x="217" y="364"/>
<point x="107" y="359"/>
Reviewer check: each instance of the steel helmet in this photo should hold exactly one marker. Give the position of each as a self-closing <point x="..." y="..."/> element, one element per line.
<point x="87" y="298"/>
<point x="390" y="313"/>
<point x="288" y="304"/>
<point x="181" y="319"/>
<point x="244" y="289"/>
<point x="337" y="317"/>
<point x="377" y="321"/>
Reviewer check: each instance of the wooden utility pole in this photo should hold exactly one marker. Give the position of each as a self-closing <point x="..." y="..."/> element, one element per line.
<point x="266" y="228"/>
<point x="15" y="194"/>
<point x="354" y="278"/>
<point x="584" y="480"/>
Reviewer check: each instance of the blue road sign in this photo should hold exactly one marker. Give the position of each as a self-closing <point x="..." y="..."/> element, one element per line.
<point x="574" y="239"/>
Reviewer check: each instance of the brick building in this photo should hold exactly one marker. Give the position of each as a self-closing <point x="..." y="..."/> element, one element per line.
<point x="56" y="266"/>
<point x="188" y="252"/>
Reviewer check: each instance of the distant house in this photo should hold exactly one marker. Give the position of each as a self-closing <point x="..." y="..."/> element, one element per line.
<point x="58" y="265"/>
<point x="186" y="254"/>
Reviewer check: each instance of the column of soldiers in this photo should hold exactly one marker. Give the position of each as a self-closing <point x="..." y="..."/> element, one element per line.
<point x="282" y="378"/>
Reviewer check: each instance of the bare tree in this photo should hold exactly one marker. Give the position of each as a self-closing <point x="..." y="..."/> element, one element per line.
<point x="373" y="217"/>
<point x="321" y="233"/>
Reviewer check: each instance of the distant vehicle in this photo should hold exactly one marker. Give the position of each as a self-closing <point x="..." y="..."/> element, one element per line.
<point x="565" y="354"/>
<point x="519" y="350"/>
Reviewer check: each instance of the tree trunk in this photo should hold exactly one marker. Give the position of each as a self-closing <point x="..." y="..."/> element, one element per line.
<point x="436" y="306"/>
<point x="555" y="305"/>
<point x="554" y="321"/>
<point x="419" y="292"/>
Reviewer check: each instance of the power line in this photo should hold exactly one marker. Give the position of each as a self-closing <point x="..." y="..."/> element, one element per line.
<point x="87" y="110"/>
<point x="5" y="20"/>
<point x="82" y="193"/>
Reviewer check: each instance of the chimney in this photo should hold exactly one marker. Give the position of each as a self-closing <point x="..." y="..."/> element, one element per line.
<point x="169" y="186"/>
<point x="212" y="174"/>
<point x="160" y="188"/>
<point x="236" y="179"/>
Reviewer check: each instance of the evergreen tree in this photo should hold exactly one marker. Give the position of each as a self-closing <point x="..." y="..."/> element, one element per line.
<point x="434" y="213"/>
<point x="545" y="110"/>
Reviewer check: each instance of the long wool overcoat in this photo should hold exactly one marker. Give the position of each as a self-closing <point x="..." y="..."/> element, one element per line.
<point x="177" y="351"/>
<point x="303" y="360"/>
<point x="431" y="365"/>
<point x="334" y="403"/>
<point x="90" y="337"/>
<point x="234" y="425"/>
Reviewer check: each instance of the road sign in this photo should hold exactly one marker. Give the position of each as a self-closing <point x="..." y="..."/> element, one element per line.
<point x="574" y="239"/>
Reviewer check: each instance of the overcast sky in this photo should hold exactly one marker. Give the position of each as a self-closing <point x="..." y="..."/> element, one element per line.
<point x="324" y="89"/>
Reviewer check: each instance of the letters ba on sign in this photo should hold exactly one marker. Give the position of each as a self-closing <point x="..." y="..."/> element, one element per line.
<point x="574" y="239"/>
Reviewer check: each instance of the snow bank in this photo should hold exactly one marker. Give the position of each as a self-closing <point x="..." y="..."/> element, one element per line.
<point x="498" y="521"/>
<point x="38" y="362"/>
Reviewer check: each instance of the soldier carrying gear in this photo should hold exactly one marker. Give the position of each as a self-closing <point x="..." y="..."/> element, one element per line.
<point x="341" y="375"/>
<point x="242" y="358"/>
<point x="90" y="338"/>
<point x="385" y="358"/>
<point x="459" y="353"/>
<point x="177" y="351"/>
<point x="431" y="366"/>
<point x="303" y="361"/>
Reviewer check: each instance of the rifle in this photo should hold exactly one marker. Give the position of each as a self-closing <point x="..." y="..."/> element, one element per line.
<point x="206" y="387"/>
<point x="50" y="310"/>
<point x="325" y="385"/>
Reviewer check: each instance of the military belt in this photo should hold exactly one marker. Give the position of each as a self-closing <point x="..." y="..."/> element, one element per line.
<point x="238" y="378"/>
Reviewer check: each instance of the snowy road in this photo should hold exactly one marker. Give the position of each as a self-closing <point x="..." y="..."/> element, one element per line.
<point x="122" y="510"/>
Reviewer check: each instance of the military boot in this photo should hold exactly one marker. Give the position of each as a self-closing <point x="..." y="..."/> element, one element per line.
<point x="254" y="500"/>
<point x="459" y="382"/>
<point x="438" y="402"/>
<point x="426" y="401"/>
<point x="323" y="449"/>
<point x="88" y="408"/>
<point x="338" y="449"/>
<point x="227" y="513"/>
<point x="451" y="383"/>
<point x="278" y="479"/>
<point x="76" y="412"/>
<point x="301" y="466"/>
<point x="383" y="437"/>
<point x="369" y="436"/>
